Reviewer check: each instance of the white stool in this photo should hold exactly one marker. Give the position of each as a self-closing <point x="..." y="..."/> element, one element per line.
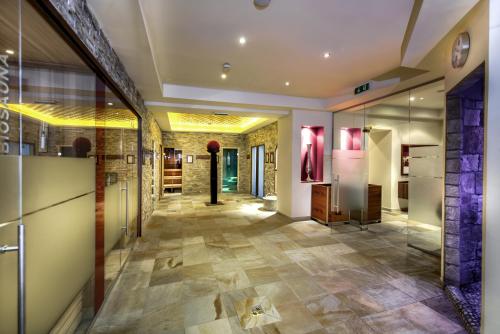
<point x="270" y="202"/>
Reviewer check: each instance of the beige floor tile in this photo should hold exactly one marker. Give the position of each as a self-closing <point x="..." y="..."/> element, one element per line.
<point x="200" y="310"/>
<point x="195" y="264"/>
<point x="220" y="326"/>
<point x="277" y="292"/>
<point x="262" y="275"/>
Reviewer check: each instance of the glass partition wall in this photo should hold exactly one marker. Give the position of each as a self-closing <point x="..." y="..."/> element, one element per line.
<point x="62" y="132"/>
<point x="388" y="159"/>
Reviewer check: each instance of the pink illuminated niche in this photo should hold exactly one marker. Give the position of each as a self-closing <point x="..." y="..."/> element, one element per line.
<point x="350" y="139"/>
<point x="311" y="153"/>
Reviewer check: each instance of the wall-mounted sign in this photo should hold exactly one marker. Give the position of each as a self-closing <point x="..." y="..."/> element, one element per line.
<point x="361" y="89"/>
<point x="460" y="50"/>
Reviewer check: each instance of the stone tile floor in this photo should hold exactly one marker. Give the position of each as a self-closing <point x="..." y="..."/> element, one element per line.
<point x="237" y="269"/>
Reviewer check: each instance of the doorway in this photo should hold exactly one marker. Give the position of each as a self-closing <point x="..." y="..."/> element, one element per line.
<point x="229" y="170"/>
<point x="258" y="154"/>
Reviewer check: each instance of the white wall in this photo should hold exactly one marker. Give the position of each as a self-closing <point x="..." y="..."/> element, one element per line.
<point x="491" y="225"/>
<point x="284" y="173"/>
<point x="294" y="196"/>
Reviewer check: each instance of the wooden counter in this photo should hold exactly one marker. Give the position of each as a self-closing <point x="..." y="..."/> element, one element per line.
<point x="321" y="204"/>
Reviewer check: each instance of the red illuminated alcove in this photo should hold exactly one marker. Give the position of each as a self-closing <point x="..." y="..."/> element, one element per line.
<point x="350" y="139"/>
<point x="314" y="135"/>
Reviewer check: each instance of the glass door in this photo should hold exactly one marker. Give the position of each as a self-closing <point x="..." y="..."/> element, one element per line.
<point x="121" y="199"/>
<point x="54" y="117"/>
<point x="349" y="193"/>
<point x="260" y="171"/>
<point x="258" y="160"/>
<point x="425" y="167"/>
<point x="10" y="170"/>
<point x="229" y="170"/>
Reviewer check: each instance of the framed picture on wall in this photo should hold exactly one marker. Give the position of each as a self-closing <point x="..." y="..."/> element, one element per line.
<point x="189" y="159"/>
<point x="276" y="158"/>
<point x="267" y="157"/>
<point x="130" y="159"/>
<point x="271" y="157"/>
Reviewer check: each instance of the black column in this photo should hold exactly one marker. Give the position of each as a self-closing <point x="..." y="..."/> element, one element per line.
<point x="213" y="178"/>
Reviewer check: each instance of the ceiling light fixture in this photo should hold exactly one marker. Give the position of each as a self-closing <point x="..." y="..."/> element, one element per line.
<point x="242" y="40"/>
<point x="110" y="103"/>
<point x="226" y="67"/>
<point x="261" y="4"/>
<point x="421" y="98"/>
<point x="9" y="51"/>
<point x="327" y="55"/>
<point x="287" y="83"/>
<point x="412" y="98"/>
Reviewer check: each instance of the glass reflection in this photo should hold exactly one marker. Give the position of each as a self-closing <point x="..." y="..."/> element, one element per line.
<point x="55" y="133"/>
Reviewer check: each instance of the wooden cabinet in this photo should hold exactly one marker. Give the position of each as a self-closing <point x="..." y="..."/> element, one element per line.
<point x="321" y="204"/>
<point x="403" y="194"/>
<point x="374" y="213"/>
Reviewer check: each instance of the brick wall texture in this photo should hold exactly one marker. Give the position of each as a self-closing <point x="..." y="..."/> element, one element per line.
<point x="196" y="176"/>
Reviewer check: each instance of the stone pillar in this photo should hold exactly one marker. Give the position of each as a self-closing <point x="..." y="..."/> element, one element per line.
<point x="463" y="190"/>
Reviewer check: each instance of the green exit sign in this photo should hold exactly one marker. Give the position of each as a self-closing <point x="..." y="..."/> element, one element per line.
<point x="361" y="89"/>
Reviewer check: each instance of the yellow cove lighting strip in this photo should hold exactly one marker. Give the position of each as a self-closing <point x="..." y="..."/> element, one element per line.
<point x="79" y="120"/>
<point x="211" y="123"/>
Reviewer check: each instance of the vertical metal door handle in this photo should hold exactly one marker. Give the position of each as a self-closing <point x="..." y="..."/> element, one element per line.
<point x="126" y="208"/>
<point x="21" y="268"/>
<point x="21" y="279"/>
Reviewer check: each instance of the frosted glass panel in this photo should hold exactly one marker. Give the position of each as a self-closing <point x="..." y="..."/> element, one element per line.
<point x="425" y="198"/>
<point x="59" y="237"/>
<point x="260" y="170"/>
<point x="350" y="183"/>
<point x="254" y="171"/>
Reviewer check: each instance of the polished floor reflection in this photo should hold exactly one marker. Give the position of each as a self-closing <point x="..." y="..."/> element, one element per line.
<point x="237" y="269"/>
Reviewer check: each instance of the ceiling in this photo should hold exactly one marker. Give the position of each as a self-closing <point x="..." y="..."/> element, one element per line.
<point x="189" y="40"/>
<point x="174" y="51"/>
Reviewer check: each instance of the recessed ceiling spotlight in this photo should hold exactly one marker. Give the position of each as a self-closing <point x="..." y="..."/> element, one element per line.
<point x="412" y="98"/>
<point x="421" y="98"/>
<point x="327" y="54"/>
<point x="261" y="4"/>
<point x="223" y="76"/>
<point x="9" y="51"/>
<point x="287" y="83"/>
<point x="242" y="40"/>
<point x="110" y="103"/>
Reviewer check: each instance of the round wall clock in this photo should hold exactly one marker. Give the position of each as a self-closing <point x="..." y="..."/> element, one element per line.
<point x="460" y="50"/>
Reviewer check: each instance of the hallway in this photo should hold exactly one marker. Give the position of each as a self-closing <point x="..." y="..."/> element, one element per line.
<point x="237" y="269"/>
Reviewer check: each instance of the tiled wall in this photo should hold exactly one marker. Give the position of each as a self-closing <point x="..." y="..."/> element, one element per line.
<point x="463" y="190"/>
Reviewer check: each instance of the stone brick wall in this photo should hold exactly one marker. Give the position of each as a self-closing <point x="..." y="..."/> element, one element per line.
<point x="85" y="26"/>
<point x="268" y="136"/>
<point x="196" y="176"/>
<point x="463" y="190"/>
